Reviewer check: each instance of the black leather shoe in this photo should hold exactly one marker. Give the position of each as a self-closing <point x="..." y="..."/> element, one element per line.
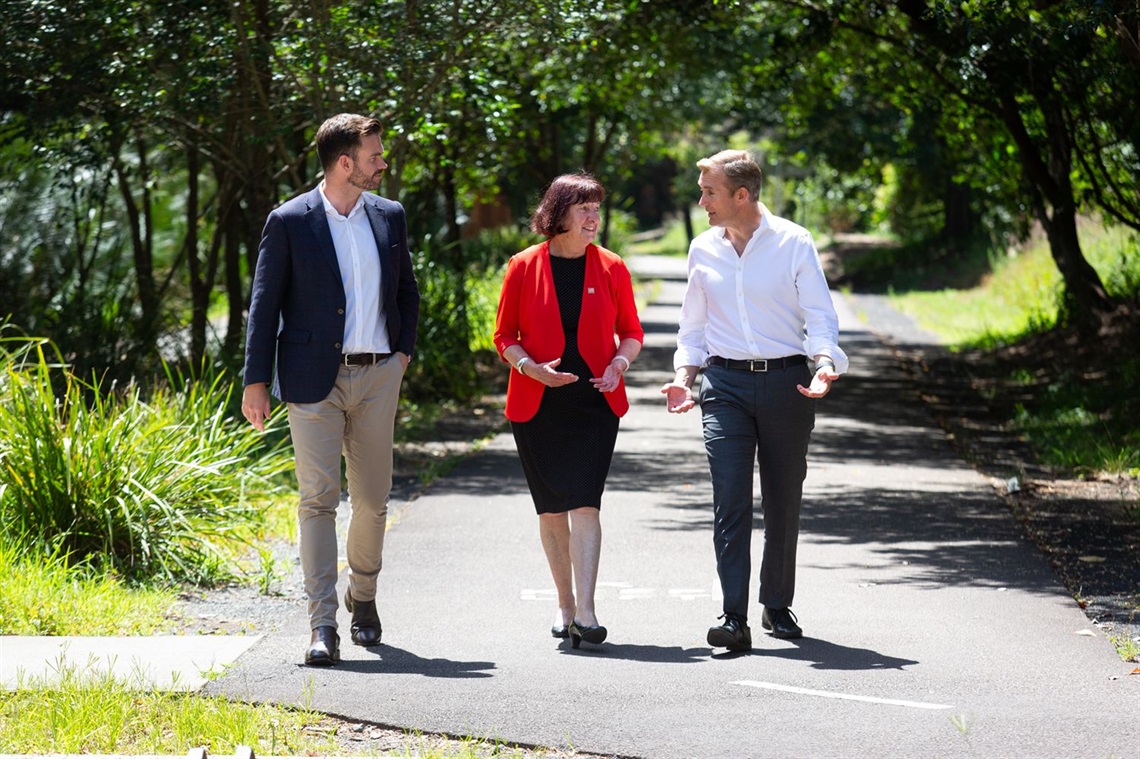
<point x="324" y="647"/>
<point x="733" y="634"/>
<point x="579" y="632"/>
<point x="366" y="628"/>
<point x="781" y="623"/>
<point x="559" y="631"/>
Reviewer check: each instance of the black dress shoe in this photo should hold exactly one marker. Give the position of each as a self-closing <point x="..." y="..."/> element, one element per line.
<point x="366" y="628"/>
<point x="559" y="631"/>
<point x="324" y="647"/>
<point x="781" y="623"/>
<point x="733" y="634"/>
<point x="595" y="634"/>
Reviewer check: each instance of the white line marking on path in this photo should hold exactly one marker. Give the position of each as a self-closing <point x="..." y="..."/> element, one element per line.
<point x="846" y="696"/>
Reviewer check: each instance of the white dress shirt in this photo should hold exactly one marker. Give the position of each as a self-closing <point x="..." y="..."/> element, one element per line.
<point x="365" y="328"/>
<point x="771" y="301"/>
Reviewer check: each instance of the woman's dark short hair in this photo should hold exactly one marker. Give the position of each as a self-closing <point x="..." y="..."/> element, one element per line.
<point x="565" y="191"/>
<point x="341" y="135"/>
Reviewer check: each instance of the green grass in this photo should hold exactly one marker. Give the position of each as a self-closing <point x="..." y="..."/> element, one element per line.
<point x="1020" y="295"/>
<point x="1075" y="424"/>
<point x="673" y="242"/>
<point x="93" y="713"/>
<point x="84" y="711"/>
<point x="47" y="596"/>
<point x="151" y="485"/>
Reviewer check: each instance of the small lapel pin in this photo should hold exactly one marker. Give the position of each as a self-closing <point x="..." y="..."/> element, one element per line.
<point x="589" y="291"/>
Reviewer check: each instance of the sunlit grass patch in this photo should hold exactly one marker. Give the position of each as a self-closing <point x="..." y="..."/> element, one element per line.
<point x="45" y="596"/>
<point x="91" y="712"/>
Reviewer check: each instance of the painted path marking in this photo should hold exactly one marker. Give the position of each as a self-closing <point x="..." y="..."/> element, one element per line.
<point x="846" y="696"/>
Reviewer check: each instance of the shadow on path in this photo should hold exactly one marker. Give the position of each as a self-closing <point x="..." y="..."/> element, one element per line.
<point x="390" y="660"/>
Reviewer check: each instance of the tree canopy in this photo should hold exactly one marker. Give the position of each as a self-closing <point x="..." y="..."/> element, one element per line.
<point x="143" y="144"/>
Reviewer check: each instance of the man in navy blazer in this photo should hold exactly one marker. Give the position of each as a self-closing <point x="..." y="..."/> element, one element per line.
<point x="332" y="327"/>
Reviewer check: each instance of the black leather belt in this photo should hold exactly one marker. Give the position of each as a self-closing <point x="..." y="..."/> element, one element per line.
<point x="363" y="359"/>
<point x="757" y="364"/>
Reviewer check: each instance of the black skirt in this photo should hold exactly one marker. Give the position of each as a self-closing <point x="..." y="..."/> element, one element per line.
<point x="567" y="447"/>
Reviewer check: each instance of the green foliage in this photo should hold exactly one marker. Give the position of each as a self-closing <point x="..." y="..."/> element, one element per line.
<point x="44" y="595"/>
<point x="147" y="485"/>
<point x="1020" y="294"/>
<point x="87" y="711"/>
<point x="673" y="241"/>
<point x="1074" y="423"/>
<point x="1073" y="429"/>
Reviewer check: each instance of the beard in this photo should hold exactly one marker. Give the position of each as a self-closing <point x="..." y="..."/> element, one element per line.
<point x="362" y="181"/>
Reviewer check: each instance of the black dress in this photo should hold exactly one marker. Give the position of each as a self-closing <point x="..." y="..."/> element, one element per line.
<point x="566" y="448"/>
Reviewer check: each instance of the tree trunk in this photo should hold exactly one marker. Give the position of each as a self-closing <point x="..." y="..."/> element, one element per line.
<point x="199" y="289"/>
<point x="959" y="223"/>
<point x="1054" y="202"/>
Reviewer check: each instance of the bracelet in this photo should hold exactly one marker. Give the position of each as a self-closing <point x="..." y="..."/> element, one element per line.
<point x="623" y="359"/>
<point x="824" y="362"/>
<point x="521" y="363"/>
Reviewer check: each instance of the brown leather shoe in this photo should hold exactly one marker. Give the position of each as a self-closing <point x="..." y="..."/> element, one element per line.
<point x="366" y="629"/>
<point x="324" y="647"/>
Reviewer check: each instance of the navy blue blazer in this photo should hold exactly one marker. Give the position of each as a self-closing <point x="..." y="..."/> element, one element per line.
<point x="296" y="312"/>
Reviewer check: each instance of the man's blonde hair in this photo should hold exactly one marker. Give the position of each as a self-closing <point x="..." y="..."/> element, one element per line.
<point x="740" y="170"/>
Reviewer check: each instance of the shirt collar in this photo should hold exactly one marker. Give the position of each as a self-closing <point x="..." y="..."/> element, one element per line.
<point x="330" y="209"/>
<point x="765" y="224"/>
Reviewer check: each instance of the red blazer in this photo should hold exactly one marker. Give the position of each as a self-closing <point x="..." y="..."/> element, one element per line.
<point x="528" y="316"/>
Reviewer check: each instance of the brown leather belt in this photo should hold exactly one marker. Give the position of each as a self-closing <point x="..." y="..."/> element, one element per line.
<point x="363" y="359"/>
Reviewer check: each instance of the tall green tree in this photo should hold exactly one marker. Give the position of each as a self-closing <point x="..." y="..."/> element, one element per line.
<point x="1049" y="87"/>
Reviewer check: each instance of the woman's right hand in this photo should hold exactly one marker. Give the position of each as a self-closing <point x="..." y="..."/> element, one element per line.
<point x="546" y="374"/>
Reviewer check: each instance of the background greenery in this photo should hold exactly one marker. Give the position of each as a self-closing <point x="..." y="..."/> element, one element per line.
<point x="137" y="168"/>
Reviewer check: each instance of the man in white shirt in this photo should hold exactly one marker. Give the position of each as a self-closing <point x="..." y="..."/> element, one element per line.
<point x="757" y="306"/>
<point x="332" y="325"/>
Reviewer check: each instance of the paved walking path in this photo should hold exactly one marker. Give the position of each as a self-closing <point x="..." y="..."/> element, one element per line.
<point x="932" y="628"/>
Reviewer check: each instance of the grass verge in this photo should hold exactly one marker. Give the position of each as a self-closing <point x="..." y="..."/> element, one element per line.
<point x="47" y="596"/>
<point x="1073" y="398"/>
<point x="91" y="712"/>
<point x="87" y="711"/>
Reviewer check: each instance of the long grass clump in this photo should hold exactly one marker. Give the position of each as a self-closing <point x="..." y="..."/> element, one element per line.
<point x="45" y="595"/>
<point x="151" y="486"/>
<point x="88" y="711"/>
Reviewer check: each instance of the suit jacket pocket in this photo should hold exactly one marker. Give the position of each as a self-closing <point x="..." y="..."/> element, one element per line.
<point x="301" y="336"/>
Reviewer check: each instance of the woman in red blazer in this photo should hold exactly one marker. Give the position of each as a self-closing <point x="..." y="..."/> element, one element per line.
<point x="568" y="325"/>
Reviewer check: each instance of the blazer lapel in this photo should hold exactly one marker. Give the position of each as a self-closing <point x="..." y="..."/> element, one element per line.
<point x="319" y="224"/>
<point x="379" y="225"/>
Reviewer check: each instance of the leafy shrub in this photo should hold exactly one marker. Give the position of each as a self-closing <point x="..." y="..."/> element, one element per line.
<point x="151" y="487"/>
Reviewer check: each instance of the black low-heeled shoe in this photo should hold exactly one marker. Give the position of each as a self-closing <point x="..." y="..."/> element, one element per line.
<point x="595" y="634"/>
<point x="557" y="631"/>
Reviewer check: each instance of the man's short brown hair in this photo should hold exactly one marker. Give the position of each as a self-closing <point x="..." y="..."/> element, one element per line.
<point x="341" y="135"/>
<point x="565" y="191"/>
<point x="740" y="170"/>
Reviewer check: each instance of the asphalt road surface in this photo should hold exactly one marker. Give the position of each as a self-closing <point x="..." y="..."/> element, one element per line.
<point x="932" y="627"/>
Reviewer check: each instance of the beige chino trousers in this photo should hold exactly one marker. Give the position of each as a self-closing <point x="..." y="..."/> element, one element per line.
<point x="356" y="420"/>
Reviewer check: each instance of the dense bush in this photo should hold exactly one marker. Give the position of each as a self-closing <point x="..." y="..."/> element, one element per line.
<point x="149" y="485"/>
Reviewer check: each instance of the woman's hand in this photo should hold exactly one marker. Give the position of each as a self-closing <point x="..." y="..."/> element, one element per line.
<point x="546" y="374"/>
<point x="611" y="377"/>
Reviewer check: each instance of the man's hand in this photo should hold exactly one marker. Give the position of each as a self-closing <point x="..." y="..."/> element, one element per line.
<point x="678" y="398"/>
<point x="404" y="358"/>
<point x="820" y="383"/>
<point x="255" y="404"/>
